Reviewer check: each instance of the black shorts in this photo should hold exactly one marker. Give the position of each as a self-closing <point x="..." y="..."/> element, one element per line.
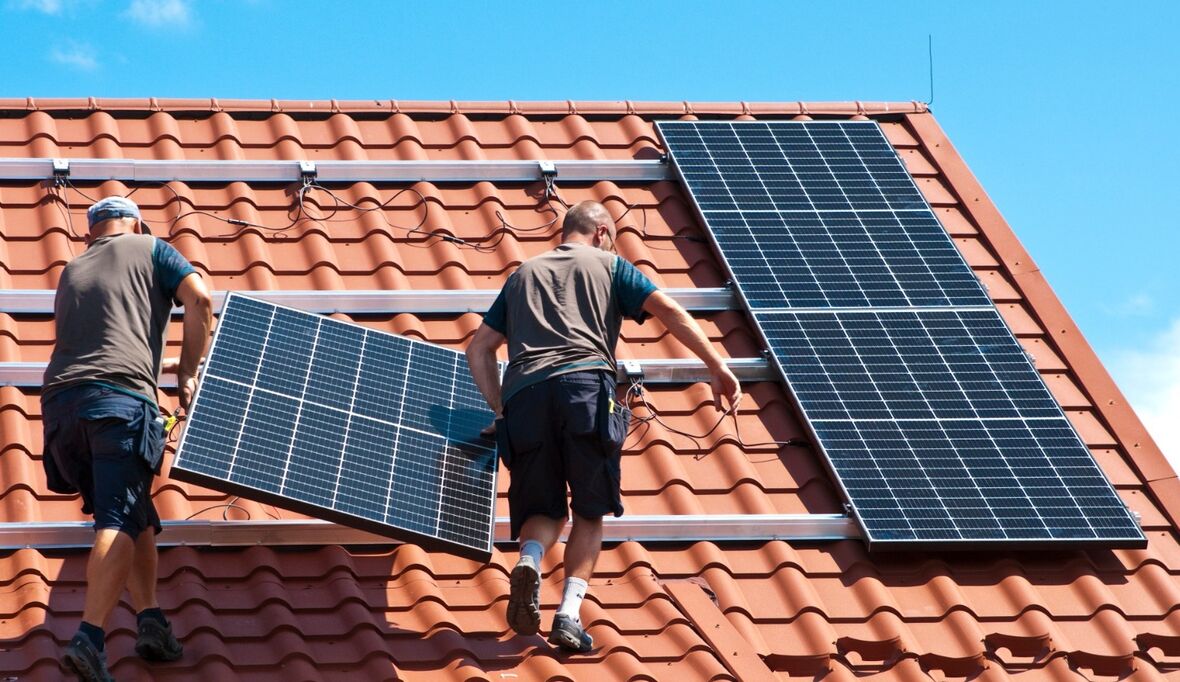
<point x="106" y="446"/>
<point x="566" y="430"/>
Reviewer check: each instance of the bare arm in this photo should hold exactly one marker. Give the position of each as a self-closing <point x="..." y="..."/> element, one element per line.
<point x="686" y="331"/>
<point x="198" y="320"/>
<point x="481" y="359"/>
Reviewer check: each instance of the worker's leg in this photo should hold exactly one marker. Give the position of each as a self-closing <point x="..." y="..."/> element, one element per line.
<point x="106" y="574"/>
<point x="581" y="550"/>
<point x="536" y="496"/>
<point x="142" y="581"/>
<point x="542" y="530"/>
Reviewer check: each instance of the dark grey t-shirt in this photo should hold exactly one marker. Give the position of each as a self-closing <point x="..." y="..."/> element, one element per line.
<point x="561" y="312"/>
<point x="111" y="311"/>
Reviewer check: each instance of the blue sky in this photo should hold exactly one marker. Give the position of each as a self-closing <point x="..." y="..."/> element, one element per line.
<point x="1063" y="110"/>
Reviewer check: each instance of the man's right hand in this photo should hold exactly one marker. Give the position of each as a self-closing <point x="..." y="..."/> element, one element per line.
<point x="726" y="385"/>
<point x="186" y="387"/>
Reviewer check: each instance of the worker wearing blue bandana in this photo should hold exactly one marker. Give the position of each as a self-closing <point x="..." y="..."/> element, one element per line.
<point x="558" y="420"/>
<point x="104" y="437"/>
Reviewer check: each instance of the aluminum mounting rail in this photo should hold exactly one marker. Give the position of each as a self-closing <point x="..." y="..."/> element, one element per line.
<point x="28" y="374"/>
<point x="208" y="170"/>
<point x="669" y="528"/>
<point x="377" y="302"/>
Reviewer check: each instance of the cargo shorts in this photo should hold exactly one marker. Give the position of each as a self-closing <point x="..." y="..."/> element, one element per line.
<point x="565" y="431"/>
<point x="106" y="446"/>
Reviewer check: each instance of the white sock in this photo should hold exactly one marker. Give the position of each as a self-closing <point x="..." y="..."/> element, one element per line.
<point x="571" y="598"/>
<point x="535" y="550"/>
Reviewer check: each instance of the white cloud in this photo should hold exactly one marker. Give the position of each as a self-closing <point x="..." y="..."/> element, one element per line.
<point x="1150" y="378"/>
<point x="160" y="13"/>
<point x="1135" y="305"/>
<point x="75" y="55"/>
<point x="43" y="6"/>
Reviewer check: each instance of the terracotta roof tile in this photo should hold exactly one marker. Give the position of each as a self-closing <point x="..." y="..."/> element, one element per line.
<point x="322" y="613"/>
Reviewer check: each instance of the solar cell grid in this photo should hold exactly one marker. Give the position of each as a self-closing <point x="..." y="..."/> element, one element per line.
<point x="821" y="215"/>
<point x="935" y="364"/>
<point x="1008" y="481"/>
<point x="345" y="423"/>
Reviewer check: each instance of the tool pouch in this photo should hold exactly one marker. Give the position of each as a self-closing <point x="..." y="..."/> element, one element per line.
<point x="614" y="419"/>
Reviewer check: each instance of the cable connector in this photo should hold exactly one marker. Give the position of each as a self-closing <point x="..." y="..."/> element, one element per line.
<point x="632" y="370"/>
<point x="61" y="172"/>
<point x="307" y="172"/>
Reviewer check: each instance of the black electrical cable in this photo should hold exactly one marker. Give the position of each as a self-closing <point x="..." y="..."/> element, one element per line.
<point x="635" y="392"/>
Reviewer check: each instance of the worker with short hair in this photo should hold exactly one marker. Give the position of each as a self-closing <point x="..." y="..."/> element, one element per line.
<point x="104" y="436"/>
<point x="558" y="422"/>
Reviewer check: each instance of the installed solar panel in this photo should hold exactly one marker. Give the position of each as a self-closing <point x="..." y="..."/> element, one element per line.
<point x="345" y="423"/>
<point x="939" y="428"/>
<point x="935" y="364"/>
<point x="818" y="215"/>
<point x="936" y="424"/>
<point x="973" y="483"/>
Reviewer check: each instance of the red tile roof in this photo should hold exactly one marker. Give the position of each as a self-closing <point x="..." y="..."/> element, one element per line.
<point x="708" y="610"/>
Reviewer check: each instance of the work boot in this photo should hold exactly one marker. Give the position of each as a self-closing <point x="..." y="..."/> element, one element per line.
<point x="568" y="634"/>
<point x="156" y="642"/>
<point x="83" y="659"/>
<point x="524" y="601"/>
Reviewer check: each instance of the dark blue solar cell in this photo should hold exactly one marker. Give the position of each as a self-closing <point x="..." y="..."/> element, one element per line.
<point x="367" y="468"/>
<point x="220" y="410"/>
<point x="241" y="335"/>
<point x="383" y="379"/>
<point x="335" y="365"/>
<point x="284" y="367"/>
<point x="260" y="457"/>
<point x="417" y="481"/>
<point x="314" y="465"/>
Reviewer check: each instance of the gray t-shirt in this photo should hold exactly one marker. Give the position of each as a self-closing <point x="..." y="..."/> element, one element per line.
<point x="112" y="308"/>
<point x="561" y="312"/>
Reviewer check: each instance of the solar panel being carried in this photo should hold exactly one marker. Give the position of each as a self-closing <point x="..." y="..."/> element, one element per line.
<point x="936" y="424"/>
<point x="340" y="422"/>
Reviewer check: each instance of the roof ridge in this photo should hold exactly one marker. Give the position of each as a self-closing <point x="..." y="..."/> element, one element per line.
<point x="448" y="107"/>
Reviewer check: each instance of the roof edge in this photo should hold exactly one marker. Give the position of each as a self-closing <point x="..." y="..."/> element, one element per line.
<point x="505" y="107"/>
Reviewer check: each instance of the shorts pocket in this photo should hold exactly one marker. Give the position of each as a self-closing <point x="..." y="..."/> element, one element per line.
<point x="524" y="433"/>
<point x="582" y="398"/>
<point x="616" y="421"/>
<point x="55" y="480"/>
<point x="153" y="440"/>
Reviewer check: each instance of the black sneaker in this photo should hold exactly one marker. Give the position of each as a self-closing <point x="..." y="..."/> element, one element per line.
<point x="568" y="634"/>
<point x="524" y="601"/>
<point x="156" y="641"/>
<point x="83" y="659"/>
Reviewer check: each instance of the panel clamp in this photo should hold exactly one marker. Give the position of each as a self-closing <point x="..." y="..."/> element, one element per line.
<point x="549" y="175"/>
<point x="633" y="373"/>
<point x="307" y="172"/>
<point x="61" y="172"/>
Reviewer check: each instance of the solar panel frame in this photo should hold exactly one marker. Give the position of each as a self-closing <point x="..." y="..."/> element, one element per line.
<point x="972" y="303"/>
<point x="376" y="421"/>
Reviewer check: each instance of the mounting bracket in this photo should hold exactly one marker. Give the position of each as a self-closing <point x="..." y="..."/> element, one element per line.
<point x="61" y="171"/>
